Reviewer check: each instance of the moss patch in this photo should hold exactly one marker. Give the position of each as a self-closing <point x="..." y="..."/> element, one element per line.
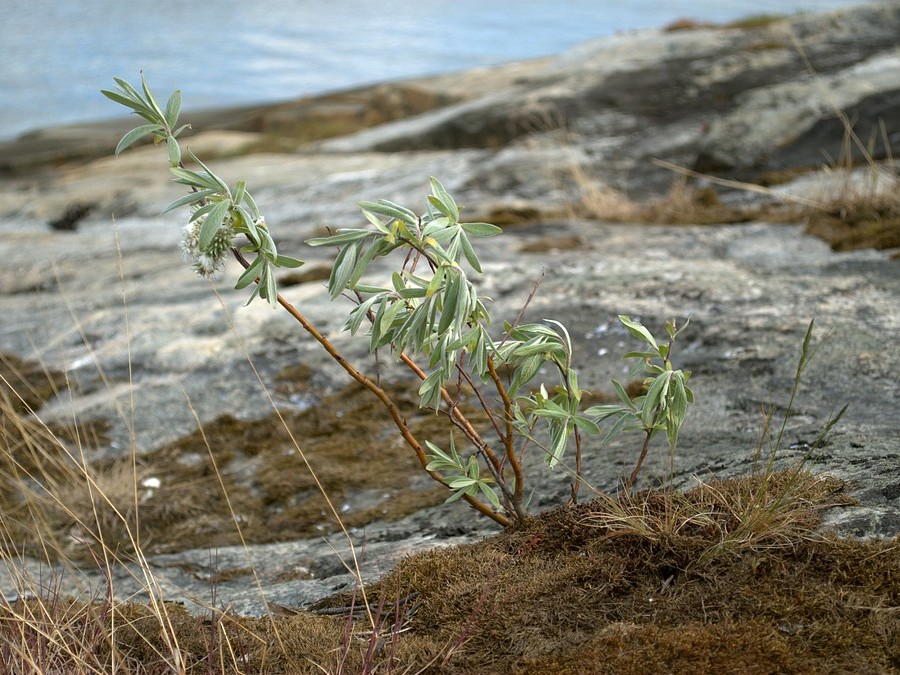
<point x="175" y="497"/>
<point x="877" y="226"/>
<point x="658" y="582"/>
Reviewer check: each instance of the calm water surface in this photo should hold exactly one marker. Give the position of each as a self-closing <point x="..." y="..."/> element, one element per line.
<point x="58" y="54"/>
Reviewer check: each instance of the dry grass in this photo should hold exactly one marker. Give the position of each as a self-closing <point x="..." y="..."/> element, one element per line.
<point x="860" y="209"/>
<point x="683" y="204"/>
<point x="727" y="574"/>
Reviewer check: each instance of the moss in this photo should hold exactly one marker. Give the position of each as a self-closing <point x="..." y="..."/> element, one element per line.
<point x="637" y="585"/>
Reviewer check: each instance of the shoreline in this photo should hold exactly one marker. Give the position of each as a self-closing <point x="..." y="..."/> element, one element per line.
<point x="297" y="120"/>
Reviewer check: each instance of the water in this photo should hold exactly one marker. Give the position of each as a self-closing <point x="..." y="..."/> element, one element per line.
<point x="57" y="55"/>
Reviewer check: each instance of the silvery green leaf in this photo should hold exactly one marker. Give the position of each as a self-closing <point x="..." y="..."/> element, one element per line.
<point x="202" y="211"/>
<point x="288" y="261"/>
<point x="368" y="288"/>
<point x="271" y="291"/>
<point x="213" y="222"/>
<point x="342" y="270"/>
<point x="240" y="189"/>
<point x="437" y="280"/>
<point x="439" y="229"/>
<point x="136" y="105"/>
<point x="247" y="225"/>
<point x="622" y="394"/>
<point x="530" y="348"/>
<point x="461" y="482"/>
<point x="151" y="100"/>
<point x="360" y="312"/>
<point x="469" y="253"/>
<point x="411" y="293"/>
<point x="390" y="209"/>
<point x="618" y="426"/>
<point x="194" y="179"/>
<point x="443" y="201"/>
<point x="250" y="274"/>
<point x="672" y="435"/>
<point x="173" y="108"/>
<point x="379" y="224"/>
<point x="564" y="331"/>
<point x="524" y="372"/>
<point x="174" y="151"/>
<point x="481" y="229"/>
<point x="491" y="494"/>
<point x="459" y="494"/>
<point x="443" y="456"/>
<point x="248" y="200"/>
<point x="266" y="243"/>
<point x="126" y="88"/>
<point x="558" y="441"/>
<point x="190" y="198"/>
<point x="451" y="294"/>
<point x="343" y="236"/>
<point x="678" y="401"/>
<point x="430" y="391"/>
<point x="638" y="331"/>
<point x="135" y="135"/>
<point x="586" y="425"/>
<point x="654" y="399"/>
<point x="385" y="322"/>
<point x="453" y="249"/>
<point x="213" y="177"/>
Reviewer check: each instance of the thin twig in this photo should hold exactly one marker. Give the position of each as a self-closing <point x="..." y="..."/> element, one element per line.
<point x="381" y="394"/>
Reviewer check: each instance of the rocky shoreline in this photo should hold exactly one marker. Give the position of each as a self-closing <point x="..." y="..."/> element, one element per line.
<point x="149" y="351"/>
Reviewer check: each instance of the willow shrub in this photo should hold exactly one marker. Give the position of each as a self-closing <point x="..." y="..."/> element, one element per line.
<point x="431" y="316"/>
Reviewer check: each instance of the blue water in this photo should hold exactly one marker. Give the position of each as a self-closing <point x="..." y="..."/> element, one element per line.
<point x="57" y="54"/>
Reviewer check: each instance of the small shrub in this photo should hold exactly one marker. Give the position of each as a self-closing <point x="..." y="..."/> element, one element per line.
<point x="431" y="316"/>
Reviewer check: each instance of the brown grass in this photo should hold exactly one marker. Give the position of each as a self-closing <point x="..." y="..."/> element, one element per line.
<point x="731" y="576"/>
<point x="683" y="204"/>
<point x="860" y="214"/>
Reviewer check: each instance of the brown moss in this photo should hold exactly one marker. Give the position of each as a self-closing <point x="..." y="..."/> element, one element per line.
<point x="850" y="230"/>
<point x="548" y="244"/>
<point x="366" y="470"/>
<point x="576" y="591"/>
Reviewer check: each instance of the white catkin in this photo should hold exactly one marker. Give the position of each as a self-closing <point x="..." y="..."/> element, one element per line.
<point x="207" y="263"/>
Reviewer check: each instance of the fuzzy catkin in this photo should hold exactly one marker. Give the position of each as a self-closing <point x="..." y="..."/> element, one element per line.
<point x="209" y="261"/>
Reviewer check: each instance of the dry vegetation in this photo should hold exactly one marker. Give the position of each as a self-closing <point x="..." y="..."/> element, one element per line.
<point x="732" y="576"/>
<point x="852" y="208"/>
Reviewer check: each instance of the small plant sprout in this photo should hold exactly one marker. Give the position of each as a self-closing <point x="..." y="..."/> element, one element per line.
<point x="663" y="406"/>
<point x="431" y="316"/>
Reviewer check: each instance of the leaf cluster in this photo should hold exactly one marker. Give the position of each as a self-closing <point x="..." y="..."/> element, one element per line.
<point x="466" y="478"/>
<point x="426" y="308"/>
<point x="216" y="207"/>
<point x="429" y="307"/>
<point x="664" y="405"/>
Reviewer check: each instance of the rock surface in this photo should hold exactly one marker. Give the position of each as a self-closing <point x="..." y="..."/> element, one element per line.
<point x="152" y="350"/>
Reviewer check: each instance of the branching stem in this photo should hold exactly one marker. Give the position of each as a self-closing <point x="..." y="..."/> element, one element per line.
<point x="382" y="396"/>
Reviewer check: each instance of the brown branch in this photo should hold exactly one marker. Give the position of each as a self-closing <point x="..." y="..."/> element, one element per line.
<point x="491" y="459"/>
<point x="464" y="375"/>
<point x="508" y="441"/>
<point x="382" y="396"/>
<point x="577" y="482"/>
<point x="637" y="469"/>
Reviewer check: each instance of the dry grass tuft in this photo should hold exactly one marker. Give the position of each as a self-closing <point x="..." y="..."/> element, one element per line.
<point x="860" y="213"/>
<point x="684" y="204"/>
<point x="729" y="576"/>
